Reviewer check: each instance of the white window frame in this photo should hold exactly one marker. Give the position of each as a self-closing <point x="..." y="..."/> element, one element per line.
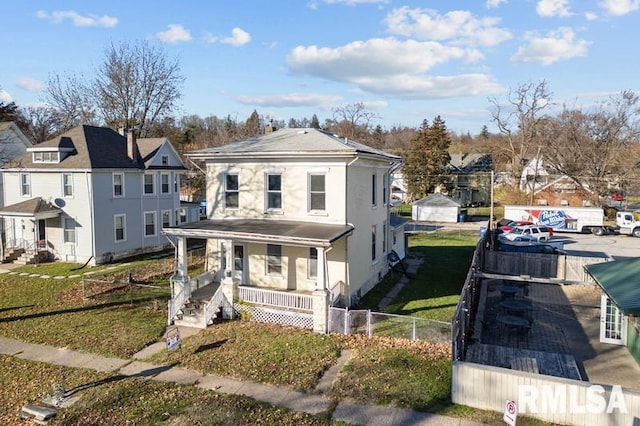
<point x="228" y="192"/>
<point x="374" y="190"/>
<point x="273" y="261"/>
<point x="374" y="249"/>
<point x="165" y="160"/>
<point x="384" y="238"/>
<point x="153" y="184"/>
<point x="46" y="157"/>
<point x="269" y="191"/>
<point x="385" y="184"/>
<point x="153" y="215"/>
<point x="124" y="227"/>
<point x="67" y="185"/>
<point x="183" y="214"/>
<point x="69" y="235"/>
<point x="311" y="192"/>
<point x="166" y="213"/>
<point x="25" y="184"/>
<point x="162" y="183"/>
<point x="113" y="180"/>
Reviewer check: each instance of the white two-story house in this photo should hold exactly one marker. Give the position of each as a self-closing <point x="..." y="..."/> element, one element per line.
<point x="296" y="219"/>
<point x="91" y="195"/>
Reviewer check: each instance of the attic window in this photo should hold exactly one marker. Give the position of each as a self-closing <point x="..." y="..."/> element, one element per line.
<point x="46" y="157"/>
<point x="165" y="160"/>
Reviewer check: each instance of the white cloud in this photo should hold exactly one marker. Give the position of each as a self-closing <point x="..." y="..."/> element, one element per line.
<point x="356" y="2"/>
<point x="78" y="20"/>
<point x="176" y="33"/>
<point x="432" y="87"/>
<point x="239" y="37"/>
<point x="290" y="100"/>
<point x="591" y="16"/>
<point x="494" y="3"/>
<point x="555" y="46"/>
<point x="459" y="26"/>
<point x="551" y="8"/>
<point x="372" y="58"/>
<point x="5" y="97"/>
<point x="30" y="84"/>
<point x="620" y="7"/>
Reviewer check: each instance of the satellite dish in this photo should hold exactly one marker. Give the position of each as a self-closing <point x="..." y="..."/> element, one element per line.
<point x="59" y="202"/>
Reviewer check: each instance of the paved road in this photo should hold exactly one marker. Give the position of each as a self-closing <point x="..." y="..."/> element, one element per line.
<point x="616" y="246"/>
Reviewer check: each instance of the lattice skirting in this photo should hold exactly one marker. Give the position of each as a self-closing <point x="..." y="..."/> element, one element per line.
<point x="262" y="314"/>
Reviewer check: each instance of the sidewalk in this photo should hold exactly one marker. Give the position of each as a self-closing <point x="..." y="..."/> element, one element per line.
<point x="314" y="403"/>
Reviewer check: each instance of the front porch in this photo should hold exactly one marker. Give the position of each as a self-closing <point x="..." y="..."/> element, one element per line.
<point x="200" y="300"/>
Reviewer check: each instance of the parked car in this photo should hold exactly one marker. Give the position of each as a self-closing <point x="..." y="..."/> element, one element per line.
<point x="514" y="223"/>
<point x="538" y="232"/>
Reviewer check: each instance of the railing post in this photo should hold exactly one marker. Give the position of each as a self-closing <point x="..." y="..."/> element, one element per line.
<point x="369" y="322"/>
<point x="413" y="335"/>
<point x="346" y="321"/>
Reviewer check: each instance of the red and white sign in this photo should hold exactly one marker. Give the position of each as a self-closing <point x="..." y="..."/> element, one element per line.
<point x="510" y="413"/>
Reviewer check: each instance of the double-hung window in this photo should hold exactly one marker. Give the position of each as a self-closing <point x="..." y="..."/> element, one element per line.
<point x="312" y="268"/>
<point x="69" y="234"/>
<point x="374" y="184"/>
<point x="274" y="191"/>
<point x="148" y="184"/>
<point x="166" y="218"/>
<point x="274" y="259"/>
<point x="231" y="191"/>
<point x="149" y="224"/>
<point x="317" y="192"/>
<point x="25" y="184"/>
<point x="165" y="186"/>
<point x="373" y="243"/>
<point x="120" y="227"/>
<point x="118" y="185"/>
<point x="67" y="184"/>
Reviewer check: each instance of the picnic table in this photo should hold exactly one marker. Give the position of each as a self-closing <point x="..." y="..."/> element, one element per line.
<point x="509" y="291"/>
<point x="516" y="323"/>
<point x="515" y="306"/>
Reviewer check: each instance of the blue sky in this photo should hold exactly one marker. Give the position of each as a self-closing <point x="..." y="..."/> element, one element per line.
<point x="405" y="60"/>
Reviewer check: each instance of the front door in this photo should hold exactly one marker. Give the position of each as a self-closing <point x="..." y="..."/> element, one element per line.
<point x="613" y="324"/>
<point x="239" y="263"/>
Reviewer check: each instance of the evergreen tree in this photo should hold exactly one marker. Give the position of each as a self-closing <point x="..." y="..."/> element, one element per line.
<point x="253" y="124"/>
<point x="315" y="124"/>
<point x="426" y="162"/>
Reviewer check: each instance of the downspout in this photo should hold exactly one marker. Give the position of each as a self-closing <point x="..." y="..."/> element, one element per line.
<point x="93" y="217"/>
<point x="347" y="272"/>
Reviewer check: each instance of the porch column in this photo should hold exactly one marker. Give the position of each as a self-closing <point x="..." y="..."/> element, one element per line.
<point x="321" y="295"/>
<point x="182" y="268"/>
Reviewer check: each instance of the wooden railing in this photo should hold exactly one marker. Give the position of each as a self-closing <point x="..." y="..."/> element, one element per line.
<point x="337" y="291"/>
<point x="179" y="300"/>
<point x="280" y="299"/>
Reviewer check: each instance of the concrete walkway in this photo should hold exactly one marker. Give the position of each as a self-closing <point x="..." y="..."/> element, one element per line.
<point x="314" y="402"/>
<point x="411" y="264"/>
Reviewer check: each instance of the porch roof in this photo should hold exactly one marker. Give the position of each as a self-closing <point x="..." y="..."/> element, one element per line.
<point x="36" y="208"/>
<point x="283" y="232"/>
<point x="620" y="280"/>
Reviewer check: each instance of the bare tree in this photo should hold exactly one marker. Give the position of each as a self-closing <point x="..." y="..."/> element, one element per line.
<point x="353" y="119"/>
<point x="597" y="149"/>
<point x="135" y="86"/>
<point x="44" y="122"/>
<point x="519" y="120"/>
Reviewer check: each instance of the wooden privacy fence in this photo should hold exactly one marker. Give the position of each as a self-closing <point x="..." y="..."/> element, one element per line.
<point x="564" y="268"/>
<point x="552" y="399"/>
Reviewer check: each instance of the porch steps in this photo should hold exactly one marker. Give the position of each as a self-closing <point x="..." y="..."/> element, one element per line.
<point x="192" y="314"/>
<point x="12" y="254"/>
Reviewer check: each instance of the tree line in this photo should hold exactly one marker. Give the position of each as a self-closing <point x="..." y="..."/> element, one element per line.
<point x="138" y="86"/>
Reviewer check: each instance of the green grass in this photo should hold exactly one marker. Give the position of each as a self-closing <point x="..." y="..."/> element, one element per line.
<point x="54" y="312"/>
<point x="265" y="353"/>
<point x="118" y="400"/>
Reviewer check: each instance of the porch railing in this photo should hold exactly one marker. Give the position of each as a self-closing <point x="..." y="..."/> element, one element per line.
<point x="276" y="298"/>
<point x="179" y="300"/>
<point x="212" y="306"/>
<point x="337" y="291"/>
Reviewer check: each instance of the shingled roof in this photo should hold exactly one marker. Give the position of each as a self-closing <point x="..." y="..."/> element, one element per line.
<point x="94" y="148"/>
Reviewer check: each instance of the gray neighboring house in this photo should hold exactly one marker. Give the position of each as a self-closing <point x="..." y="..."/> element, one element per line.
<point x="436" y="208"/>
<point x="91" y="195"/>
<point x="13" y="144"/>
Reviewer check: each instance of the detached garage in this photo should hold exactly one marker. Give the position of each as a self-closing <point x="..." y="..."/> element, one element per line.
<point x="436" y="208"/>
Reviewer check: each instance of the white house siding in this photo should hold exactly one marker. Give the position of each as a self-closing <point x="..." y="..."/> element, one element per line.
<point x="435" y="214"/>
<point x="294" y="190"/>
<point x="365" y="272"/>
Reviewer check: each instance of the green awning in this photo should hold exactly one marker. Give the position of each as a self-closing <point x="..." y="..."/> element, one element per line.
<point x="620" y="279"/>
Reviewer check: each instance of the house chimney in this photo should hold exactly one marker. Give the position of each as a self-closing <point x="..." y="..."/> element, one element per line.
<point x="132" y="146"/>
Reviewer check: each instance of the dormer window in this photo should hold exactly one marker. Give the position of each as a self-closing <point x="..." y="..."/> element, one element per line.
<point x="46" y="157"/>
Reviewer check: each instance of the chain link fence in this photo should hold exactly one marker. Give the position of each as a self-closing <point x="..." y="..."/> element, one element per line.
<point x="345" y="321"/>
